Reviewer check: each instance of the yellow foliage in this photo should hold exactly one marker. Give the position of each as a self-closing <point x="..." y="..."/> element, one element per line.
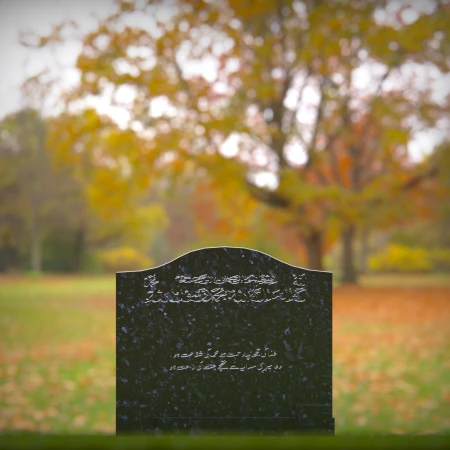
<point x="400" y="258"/>
<point x="125" y="259"/>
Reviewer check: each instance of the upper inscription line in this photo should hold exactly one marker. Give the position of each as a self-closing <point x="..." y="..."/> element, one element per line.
<point x="255" y="289"/>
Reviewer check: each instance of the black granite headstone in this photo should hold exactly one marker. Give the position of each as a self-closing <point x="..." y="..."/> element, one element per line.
<point x="224" y="339"/>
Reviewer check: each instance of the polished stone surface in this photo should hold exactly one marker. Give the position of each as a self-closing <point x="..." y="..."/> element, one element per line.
<point x="224" y="339"/>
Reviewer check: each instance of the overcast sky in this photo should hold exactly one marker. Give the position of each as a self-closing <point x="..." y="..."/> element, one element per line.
<point x="39" y="15"/>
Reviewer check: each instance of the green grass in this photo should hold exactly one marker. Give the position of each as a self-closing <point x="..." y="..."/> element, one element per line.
<point x="57" y="371"/>
<point x="412" y="402"/>
<point x="225" y="442"/>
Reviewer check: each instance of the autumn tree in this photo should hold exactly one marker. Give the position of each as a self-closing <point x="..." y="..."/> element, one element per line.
<point x="282" y="77"/>
<point x="442" y="156"/>
<point x="116" y="210"/>
<point x="240" y="220"/>
<point x="29" y="200"/>
<point x="431" y="229"/>
<point x="87" y="201"/>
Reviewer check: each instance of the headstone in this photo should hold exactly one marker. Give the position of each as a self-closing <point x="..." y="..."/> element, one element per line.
<point x="224" y="339"/>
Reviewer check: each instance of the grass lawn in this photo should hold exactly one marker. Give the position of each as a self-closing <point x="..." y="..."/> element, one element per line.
<point x="391" y="355"/>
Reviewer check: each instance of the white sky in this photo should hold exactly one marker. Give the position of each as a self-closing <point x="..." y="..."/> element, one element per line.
<point x="39" y="15"/>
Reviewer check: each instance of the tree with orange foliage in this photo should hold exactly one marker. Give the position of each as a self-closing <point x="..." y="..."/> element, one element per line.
<point x="282" y="78"/>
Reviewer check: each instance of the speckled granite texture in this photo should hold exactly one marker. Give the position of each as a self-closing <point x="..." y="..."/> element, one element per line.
<point x="224" y="339"/>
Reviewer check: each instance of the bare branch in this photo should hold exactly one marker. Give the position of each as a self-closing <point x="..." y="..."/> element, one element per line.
<point x="269" y="197"/>
<point x="367" y="161"/>
<point x="409" y="184"/>
<point x="416" y="180"/>
<point x="184" y="84"/>
<point x="320" y="109"/>
<point x="292" y="118"/>
<point x="321" y="177"/>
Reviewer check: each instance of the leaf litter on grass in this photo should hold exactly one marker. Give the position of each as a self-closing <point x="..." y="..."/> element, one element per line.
<point x="57" y="370"/>
<point x="391" y="361"/>
<point x="389" y="346"/>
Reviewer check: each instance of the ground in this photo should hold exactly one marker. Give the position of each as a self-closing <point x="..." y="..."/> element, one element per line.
<point x="391" y="350"/>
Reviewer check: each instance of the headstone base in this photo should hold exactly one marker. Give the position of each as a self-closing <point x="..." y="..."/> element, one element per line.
<point x="144" y="421"/>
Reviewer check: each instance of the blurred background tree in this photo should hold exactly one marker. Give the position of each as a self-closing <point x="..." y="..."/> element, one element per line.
<point x="55" y="217"/>
<point x="31" y="205"/>
<point x="276" y="118"/>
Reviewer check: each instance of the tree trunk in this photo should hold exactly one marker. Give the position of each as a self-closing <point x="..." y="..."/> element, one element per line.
<point x="364" y="250"/>
<point x="9" y="260"/>
<point x="36" y="249"/>
<point x="348" y="264"/>
<point x="313" y="243"/>
<point x="12" y="259"/>
<point x="79" y="248"/>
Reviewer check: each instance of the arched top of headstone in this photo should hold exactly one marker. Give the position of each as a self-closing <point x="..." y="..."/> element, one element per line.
<point x="226" y="252"/>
